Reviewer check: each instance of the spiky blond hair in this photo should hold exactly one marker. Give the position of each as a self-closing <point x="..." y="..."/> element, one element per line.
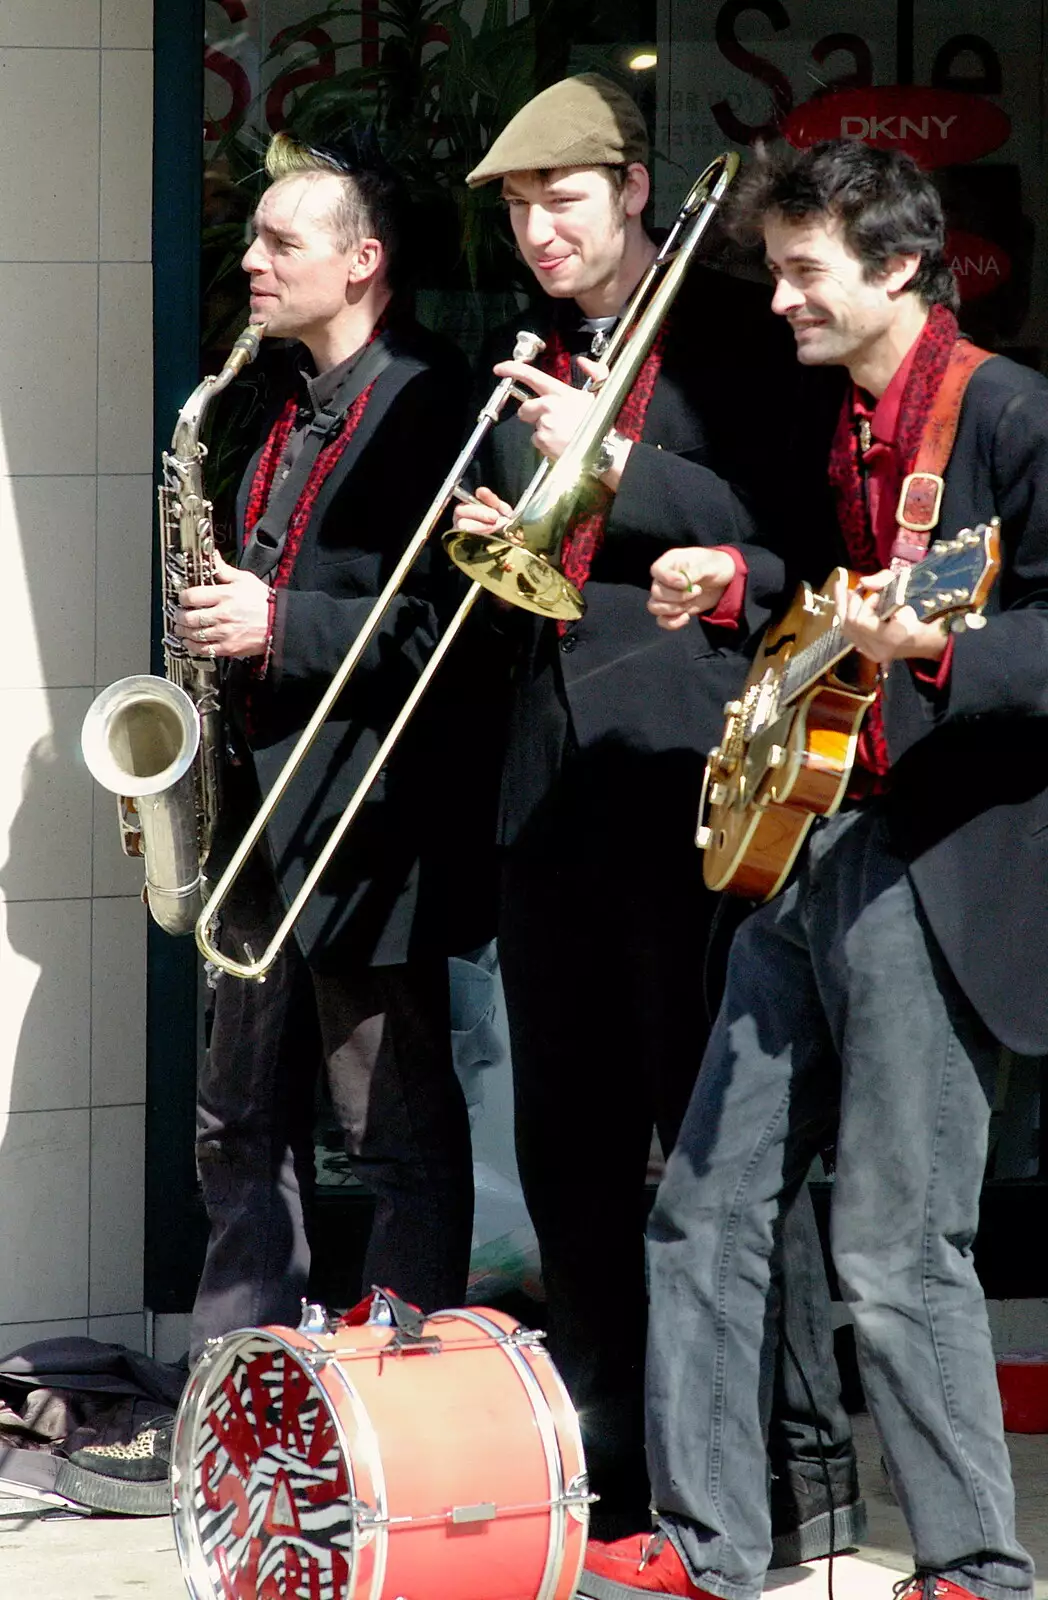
<point x="288" y="158"/>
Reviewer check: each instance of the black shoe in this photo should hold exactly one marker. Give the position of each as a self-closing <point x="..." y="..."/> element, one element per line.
<point x="802" y="1513"/>
<point x="132" y="1480"/>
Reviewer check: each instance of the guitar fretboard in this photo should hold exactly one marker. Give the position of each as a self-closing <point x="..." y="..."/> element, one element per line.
<point x="809" y="664"/>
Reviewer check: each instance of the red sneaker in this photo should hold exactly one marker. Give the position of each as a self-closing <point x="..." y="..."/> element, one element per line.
<point x="929" y="1586"/>
<point x="645" y="1563"/>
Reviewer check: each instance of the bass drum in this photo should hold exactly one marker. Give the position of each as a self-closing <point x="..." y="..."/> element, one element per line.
<point x="434" y="1460"/>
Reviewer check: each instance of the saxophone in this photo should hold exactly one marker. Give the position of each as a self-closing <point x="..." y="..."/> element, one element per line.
<point x="156" y="742"/>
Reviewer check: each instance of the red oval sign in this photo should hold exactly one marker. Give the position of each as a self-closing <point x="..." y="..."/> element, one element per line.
<point x="937" y="127"/>
<point x="979" y="266"/>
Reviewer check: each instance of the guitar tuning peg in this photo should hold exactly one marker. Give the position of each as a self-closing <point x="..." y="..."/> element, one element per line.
<point x="939" y="548"/>
<point x="970" y="621"/>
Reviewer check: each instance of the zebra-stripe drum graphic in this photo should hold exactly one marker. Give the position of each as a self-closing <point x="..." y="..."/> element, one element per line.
<point x="362" y="1463"/>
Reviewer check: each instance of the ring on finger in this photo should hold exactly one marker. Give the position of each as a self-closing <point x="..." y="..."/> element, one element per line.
<point x="210" y="652"/>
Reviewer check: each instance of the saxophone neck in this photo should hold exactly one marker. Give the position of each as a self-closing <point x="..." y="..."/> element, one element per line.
<point x="185" y="441"/>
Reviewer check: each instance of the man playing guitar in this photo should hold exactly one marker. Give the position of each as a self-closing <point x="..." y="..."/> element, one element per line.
<point x="869" y="1000"/>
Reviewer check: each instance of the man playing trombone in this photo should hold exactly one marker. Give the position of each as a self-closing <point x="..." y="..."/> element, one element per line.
<point x="603" y="959"/>
<point x="363" y="984"/>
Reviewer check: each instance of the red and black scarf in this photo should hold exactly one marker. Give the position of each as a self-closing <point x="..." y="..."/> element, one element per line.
<point x="262" y="482"/>
<point x="272" y="453"/>
<point x="262" y="487"/>
<point x="586" y="535"/>
<point x="930" y="361"/>
<point x="931" y="358"/>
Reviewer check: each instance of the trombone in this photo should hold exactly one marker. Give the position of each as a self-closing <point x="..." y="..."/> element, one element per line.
<point x="527" y="347"/>
<point x="517" y="563"/>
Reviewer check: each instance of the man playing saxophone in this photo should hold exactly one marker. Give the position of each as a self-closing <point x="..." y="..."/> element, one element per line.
<point x="363" y="985"/>
<point x="602" y="960"/>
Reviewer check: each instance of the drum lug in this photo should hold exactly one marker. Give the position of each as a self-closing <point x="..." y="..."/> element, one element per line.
<point x="486" y="1511"/>
<point x="366" y="1521"/>
<point x="524" y="1339"/>
<point x="578" y="1497"/>
<point x="405" y="1344"/>
<point x="314" y="1318"/>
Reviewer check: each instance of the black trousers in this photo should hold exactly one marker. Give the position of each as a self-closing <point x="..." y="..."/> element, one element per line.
<point x="605" y="967"/>
<point x="383" y="1035"/>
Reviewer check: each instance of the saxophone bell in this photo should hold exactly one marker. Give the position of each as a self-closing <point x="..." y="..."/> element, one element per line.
<point x="140" y="740"/>
<point x="156" y="742"/>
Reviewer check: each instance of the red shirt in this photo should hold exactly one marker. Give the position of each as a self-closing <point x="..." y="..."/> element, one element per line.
<point x="727" y="613"/>
<point x="883" y="468"/>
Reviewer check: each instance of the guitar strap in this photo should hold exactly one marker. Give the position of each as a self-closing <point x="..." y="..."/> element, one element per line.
<point x="920" y="498"/>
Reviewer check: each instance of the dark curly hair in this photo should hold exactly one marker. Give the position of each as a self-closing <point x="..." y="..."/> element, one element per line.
<point x="885" y="204"/>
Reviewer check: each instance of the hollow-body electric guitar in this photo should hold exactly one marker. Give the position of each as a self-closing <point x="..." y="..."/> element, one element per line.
<point x="789" y="741"/>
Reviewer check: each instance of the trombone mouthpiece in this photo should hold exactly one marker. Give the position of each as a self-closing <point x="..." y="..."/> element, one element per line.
<point x="528" y="346"/>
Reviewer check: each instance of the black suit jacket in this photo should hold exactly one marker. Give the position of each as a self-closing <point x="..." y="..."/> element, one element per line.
<point x="610" y="724"/>
<point x="381" y="899"/>
<point x="969" y="798"/>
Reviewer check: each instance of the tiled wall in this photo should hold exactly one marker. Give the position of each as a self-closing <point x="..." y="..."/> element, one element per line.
<point x="75" y="542"/>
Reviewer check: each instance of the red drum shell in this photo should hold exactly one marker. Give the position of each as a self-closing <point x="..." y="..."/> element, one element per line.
<point x="355" y="1465"/>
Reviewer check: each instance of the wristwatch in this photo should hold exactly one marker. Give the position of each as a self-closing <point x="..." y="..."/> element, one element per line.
<point x="608" y="452"/>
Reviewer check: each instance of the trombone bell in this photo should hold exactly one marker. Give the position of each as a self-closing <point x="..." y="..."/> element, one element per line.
<point x="512" y="572"/>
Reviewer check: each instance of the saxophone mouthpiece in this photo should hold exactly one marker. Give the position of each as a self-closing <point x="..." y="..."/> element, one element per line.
<point x="246" y="346"/>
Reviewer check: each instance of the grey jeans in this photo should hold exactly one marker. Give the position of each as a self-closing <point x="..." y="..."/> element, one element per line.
<point x="839" y="1013"/>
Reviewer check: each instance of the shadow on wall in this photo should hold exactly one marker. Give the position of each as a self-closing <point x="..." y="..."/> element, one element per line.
<point x="71" y="966"/>
<point x="45" y="1021"/>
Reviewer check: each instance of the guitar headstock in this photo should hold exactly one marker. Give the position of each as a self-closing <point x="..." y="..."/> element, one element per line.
<point x="955" y="577"/>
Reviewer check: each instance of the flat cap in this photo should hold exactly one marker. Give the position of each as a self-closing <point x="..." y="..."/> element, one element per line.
<point x="586" y="121"/>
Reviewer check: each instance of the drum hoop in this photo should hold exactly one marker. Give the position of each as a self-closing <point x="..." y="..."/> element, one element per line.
<point x="190" y="1551"/>
<point x="551" y="1448"/>
<point x="581" y="1512"/>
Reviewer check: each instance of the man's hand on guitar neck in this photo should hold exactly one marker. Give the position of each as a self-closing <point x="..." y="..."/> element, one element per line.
<point x="899" y="637"/>
<point x="686" y="583"/>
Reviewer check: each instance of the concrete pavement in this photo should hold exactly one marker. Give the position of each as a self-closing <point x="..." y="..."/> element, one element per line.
<point x="51" y="1557"/>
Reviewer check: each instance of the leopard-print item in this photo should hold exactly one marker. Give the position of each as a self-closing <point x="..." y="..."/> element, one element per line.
<point x="141" y="1448"/>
